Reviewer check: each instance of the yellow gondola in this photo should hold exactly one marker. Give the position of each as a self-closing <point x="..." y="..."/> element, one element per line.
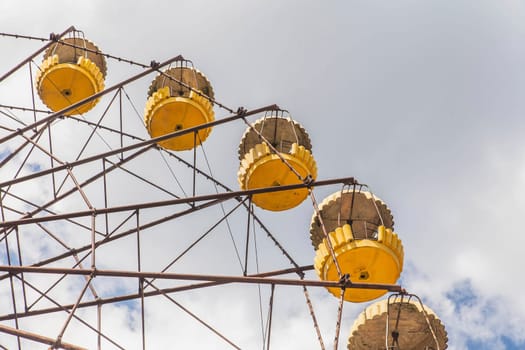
<point x="173" y="106"/>
<point x="359" y="227"/>
<point x="71" y="71"/>
<point x="411" y="326"/>
<point x="261" y="167"/>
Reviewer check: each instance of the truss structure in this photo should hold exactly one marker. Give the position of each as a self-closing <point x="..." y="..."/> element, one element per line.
<point x="108" y="241"/>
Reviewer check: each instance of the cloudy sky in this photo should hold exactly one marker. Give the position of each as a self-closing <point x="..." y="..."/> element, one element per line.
<point x="420" y="100"/>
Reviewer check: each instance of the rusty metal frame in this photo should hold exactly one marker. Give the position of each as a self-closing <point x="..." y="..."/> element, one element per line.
<point x="141" y="144"/>
<point x="153" y="293"/>
<point x="146" y="205"/>
<point x="197" y="277"/>
<point x="146" y="279"/>
<point x="38" y="338"/>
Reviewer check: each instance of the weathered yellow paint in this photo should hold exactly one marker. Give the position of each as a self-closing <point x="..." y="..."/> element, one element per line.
<point x="365" y="260"/>
<point x="261" y="168"/>
<point x="60" y="85"/>
<point x="165" y="114"/>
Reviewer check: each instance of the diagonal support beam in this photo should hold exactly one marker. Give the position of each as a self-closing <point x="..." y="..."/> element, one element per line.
<point x="36" y="53"/>
<point x="73" y="106"/>
<point x="145" y="143"/>
<point x="38" y="338"/>
<point x="202" y="198"/>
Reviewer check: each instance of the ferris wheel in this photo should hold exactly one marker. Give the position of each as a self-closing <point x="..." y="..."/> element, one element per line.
<point x="120" y="230"/>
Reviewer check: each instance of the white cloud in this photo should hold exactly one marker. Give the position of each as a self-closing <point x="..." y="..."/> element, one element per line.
<point x="423" y="102"/>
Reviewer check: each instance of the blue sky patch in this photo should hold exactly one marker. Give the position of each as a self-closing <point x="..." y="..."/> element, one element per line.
<point x="4" y="153"/>
<point x="501" y="343"/>
<point x="34" y="167"/>
<point x="462" y="295"/>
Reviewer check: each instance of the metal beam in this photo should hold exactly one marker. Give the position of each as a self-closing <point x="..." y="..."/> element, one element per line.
<point x="75" y="105"/>
<point x="202" y="198"/>
<point x="38" y="338"/>
<point x="239" y="115"/>
<point x="197" y="277"/>
<point x="146" y="294"/>
<point x="37" y="52"/>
